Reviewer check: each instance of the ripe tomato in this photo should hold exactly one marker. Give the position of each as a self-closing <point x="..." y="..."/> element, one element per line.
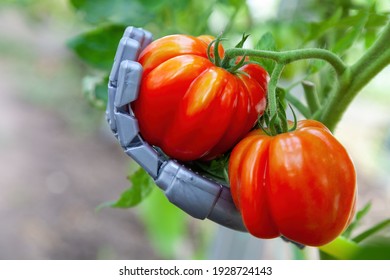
<point x="299" y="184"/>
<point x="191" y="108"/>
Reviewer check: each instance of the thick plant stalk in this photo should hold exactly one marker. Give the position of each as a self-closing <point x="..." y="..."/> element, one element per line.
<point x="355" y="78"/>
<point x="340" y="248"/>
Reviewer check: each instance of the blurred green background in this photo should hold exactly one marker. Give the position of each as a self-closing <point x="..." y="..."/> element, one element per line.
<point x="58" y="161"/>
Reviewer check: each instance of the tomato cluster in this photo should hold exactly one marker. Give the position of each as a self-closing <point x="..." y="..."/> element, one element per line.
<point x="299" y="184"/>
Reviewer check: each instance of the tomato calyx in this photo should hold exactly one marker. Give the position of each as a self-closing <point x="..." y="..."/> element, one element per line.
<point x="274" y="121"/>
<point x="278" y="123"/>
<point x="212" y="51"/>
<point x="231" y="65"/>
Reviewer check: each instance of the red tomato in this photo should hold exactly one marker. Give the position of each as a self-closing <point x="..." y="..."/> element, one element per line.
<point x="191" y="108"/>
<point x="299" y="184"/>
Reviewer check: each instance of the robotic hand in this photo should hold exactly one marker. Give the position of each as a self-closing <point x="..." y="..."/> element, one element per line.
<point x="193" y="193"/>
<point x="198" y="196"/>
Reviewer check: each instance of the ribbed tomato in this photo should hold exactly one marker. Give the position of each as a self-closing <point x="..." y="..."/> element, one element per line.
<point x="300" y="184"/>
<point x="191" y="108"/>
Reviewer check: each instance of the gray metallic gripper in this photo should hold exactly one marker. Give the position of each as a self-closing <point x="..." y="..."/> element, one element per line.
<point x="198" y="196"/>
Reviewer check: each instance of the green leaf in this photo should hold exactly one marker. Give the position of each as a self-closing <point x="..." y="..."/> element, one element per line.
<point x="351" y="34"/>
<point x="215" y="169"/>
<point x="377" y="248"/>
<point x="95" y="91"/>
<point x="114" y="11"/>
<point x="371" y="231"/>
<point x="98" y="47"/>
<point x="377" y="20"/>
<point x="267" y="43"/>
<point x="318" y="29"/>
<point x="374" y="23"/>
<point x="234" y="3"/>
<point x="165" y="224"/>
<point x="141" y="186"/>
<point x="345" y="30"/>
<point x="370" y="37"/>
<point x="359" y="216"/>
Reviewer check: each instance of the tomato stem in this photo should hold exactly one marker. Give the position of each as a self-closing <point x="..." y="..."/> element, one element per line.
<point x="276" y="122"/>
<point x="311" y="96"/>
<point x="355" y="78"/>
<point x="351" y="79"/>
<point x="340" y="248"/>
<point x="298" y="104"/>
<point x="286" y="57"/>
<point x="217" y="58"/>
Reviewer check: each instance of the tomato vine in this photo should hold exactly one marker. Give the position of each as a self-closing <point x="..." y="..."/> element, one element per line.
<point x="351" y="79"/>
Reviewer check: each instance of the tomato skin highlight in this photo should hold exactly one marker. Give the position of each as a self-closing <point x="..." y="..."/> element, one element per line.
<point x="300" y="184"/>
<point x="191" y="108"/>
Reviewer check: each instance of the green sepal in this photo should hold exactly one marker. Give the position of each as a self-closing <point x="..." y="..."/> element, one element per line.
<point x="242" y="42"/>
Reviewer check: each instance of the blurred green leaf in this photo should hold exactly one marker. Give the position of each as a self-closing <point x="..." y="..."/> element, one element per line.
<point x="95" y="91"/>
<point x="267" y="43"/>
<point x="141" y="186"/>
<point x="346" y="29"/>
<point x="166" y="224"/>
<point x="377" y="20"/>
<point x="318" y="29"/>
<point x="113" y="11"/>
<point x="371" y="231"/>
<point x="358" y="217"/>
<point x="374" y="23"/>
<point x="370" y="37"/>
<point x="351" y="35"/>
<point x="97" y="47"/>
<point x="234" y="3"/>
<point x="374" y="20"/>
<point x="377" y="249"/>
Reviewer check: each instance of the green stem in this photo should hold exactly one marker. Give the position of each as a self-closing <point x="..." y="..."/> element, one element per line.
<point x="371" y="231"/>
<point x="217" y="59"/>
<point x="340" y="248"/>
<point x="311" y="96"/>
<point x="298" y="104"/>
<point x="356" y="77"/>
<point x="271" y="94"/>
<point x="291" y="56"/>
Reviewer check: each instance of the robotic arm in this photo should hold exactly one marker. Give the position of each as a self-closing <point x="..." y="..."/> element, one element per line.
<point x="198" y="196"/>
